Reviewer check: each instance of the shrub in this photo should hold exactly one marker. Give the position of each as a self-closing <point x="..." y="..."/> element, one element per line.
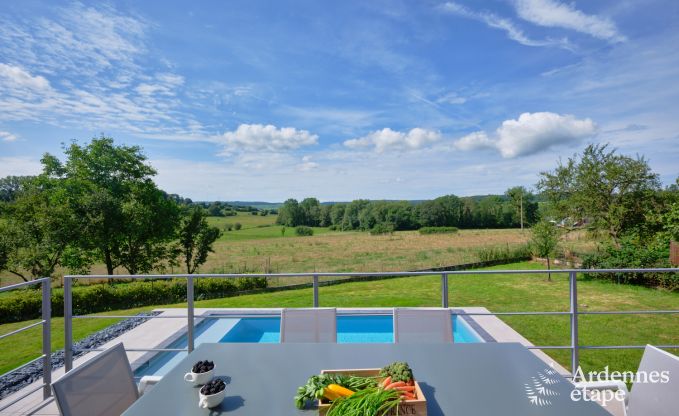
<point x="382" y="229"/>
<point x="228" y="227"/>
<point x="304" y="231"/>
<point x="632" y="255"/>
<point x="22" y="305"/>
<point x="438" y="230"/>
<point x="238" y="226"/>
<point x="333" y="228"/>
<point x="504" y="253"/>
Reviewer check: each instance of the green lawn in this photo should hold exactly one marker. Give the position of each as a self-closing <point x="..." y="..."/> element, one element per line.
<point x="496" y="292"/>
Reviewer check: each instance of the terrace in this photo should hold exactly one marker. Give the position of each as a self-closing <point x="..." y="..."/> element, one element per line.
<point x="364" y="336"/>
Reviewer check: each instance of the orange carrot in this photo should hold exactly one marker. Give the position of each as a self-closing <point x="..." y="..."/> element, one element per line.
<point x="386" y="382"/>
<point x="396" y="384"/>
<point x="405" y="388"/>
<point x="408" y="396"/>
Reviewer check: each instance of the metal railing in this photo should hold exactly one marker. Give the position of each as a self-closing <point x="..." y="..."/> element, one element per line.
<point x="46" y="340"/>
<point x="573" y="311"/>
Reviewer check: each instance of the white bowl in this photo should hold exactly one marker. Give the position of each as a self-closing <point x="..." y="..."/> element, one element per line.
<point x="198" y="379"/>
<point x="212" y="400"/>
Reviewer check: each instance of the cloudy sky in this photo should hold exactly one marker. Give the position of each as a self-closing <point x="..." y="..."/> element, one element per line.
<point x="263" y="100"/>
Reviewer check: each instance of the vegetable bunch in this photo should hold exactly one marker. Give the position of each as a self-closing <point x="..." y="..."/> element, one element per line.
<point x="398" y="371"/>
<point x="367" y="402"/>
<point x="316" y="385"/>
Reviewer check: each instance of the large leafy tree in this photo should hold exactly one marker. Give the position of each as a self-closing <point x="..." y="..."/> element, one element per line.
<point x="524" y="206"/>
<point x="126" y="219"/>
<point x="39" y="227"/>
<point x="613" y="191"/>
<point x="196" y="238"/>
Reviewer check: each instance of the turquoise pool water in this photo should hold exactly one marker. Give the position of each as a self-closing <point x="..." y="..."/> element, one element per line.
<point x="359" y="328"/>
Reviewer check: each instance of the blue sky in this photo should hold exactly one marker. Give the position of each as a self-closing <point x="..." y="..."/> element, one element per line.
<point x="265" y="100"/>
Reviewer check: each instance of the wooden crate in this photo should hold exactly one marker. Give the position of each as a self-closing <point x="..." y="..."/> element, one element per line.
<point x="416" y="407"/>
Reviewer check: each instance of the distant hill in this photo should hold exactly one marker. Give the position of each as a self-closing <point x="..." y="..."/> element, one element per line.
<point x="255" y="204"/>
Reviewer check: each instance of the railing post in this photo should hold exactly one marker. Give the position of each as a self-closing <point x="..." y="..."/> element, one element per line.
<point x="68" y="324"/>
<point x="444" y="290"/>
<point x="46" y="339"/>
<point x="189" y="301"/>
<point x="315" y="291"/>
<point x="575" y="347"/>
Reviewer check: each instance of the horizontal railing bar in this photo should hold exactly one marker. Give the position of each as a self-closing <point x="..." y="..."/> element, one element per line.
<point x="508" y="313"/>
<point x="16" y="331"/>
<point x="622" y="347"/>
<point x="338" y="274"/>
<point x="548" y="347"/>
<point x="629" y="312"/>
<point x="22" y="284"/>
<point x="128" y="316"/>
<point x="134" y="349"/>
<point x="23" y="365"/>
<point x="23" y="396"/>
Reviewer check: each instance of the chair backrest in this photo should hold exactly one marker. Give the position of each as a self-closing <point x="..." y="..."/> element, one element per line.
<point x="653" y="396"/>
<point x="103" y="386"/>
<point x="422" y="325"/>
<point x="309" y="325"/>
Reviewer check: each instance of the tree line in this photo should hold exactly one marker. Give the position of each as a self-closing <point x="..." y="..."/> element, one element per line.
<point x="100" y="205"/>
<point x="493" y="211"/>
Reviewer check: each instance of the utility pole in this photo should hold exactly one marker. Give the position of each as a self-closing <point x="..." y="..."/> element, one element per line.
<point x="521" y="209"/>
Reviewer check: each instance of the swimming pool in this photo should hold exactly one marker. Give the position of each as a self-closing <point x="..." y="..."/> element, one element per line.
<point x="351" y="328"/>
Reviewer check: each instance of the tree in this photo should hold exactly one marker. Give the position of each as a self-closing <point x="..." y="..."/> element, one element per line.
<point x="196" y="238"/>
<point x="39" y="227"/>
<point x="290" y="214"/>
<point x="613" y="191"/>
<point x="544" y="240"/>
<point x="311" y="212"/>
<point x="10" y="187"/>
<point x="126" y="219"/>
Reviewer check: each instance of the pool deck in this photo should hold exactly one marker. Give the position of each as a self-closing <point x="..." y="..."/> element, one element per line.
<point x="160" y="332"/>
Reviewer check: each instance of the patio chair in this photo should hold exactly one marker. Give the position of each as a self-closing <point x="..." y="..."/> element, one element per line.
<point x="103" y="386"/>
<point x="309" y="325"/>
<point x="647" y="398"/>
<point x="422" y="325"/>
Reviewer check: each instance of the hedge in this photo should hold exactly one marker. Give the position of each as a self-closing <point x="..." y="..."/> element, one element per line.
<point x="438" y="230"/>
<point x="304" y="231"/>
<point x="23" y="305"/>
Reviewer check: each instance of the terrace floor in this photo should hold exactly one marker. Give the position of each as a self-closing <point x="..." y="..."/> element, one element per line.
<point x="159" y="333"/>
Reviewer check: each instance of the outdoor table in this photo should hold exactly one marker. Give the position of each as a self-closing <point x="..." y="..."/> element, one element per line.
<point x="456" y="379"/>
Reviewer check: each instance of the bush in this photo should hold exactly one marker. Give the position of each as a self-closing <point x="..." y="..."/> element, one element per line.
<point x="504" y="253"/>
<point x="22" y="305"/>
<point x="438" y="230"/>
<point x="382" y="229"/>
<point x="333" y="228"/>
<point x="228" y="227"/>
<point x="632" y="255"/>
<point x="238" y="226"/>
<point x="304" y="231"/>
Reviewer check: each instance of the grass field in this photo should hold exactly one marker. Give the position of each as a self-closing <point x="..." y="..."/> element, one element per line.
<point x="498" y="293"/>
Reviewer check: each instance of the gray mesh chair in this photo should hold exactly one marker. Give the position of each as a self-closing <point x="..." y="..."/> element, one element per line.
<point x="309" y="325"/>
<point x="422" y="325"/>
<point x="101" y="386"/>
<point x="650" y="395"/>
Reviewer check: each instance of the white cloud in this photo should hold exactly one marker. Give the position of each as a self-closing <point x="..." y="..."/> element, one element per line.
<point x="475" y="141"/>
<point x="258" y="138"/>
<point x="6" y="136"/>
<point x="19" y="166"/>
<point x="496" y="22"/>
<point x="22" y="78"/>
<point x="307" y="164"/>
<point x="531" y="133"/>
<point x="388" y="139"/>
<point x="552" y="13"/>
<point x="451" y="98"/>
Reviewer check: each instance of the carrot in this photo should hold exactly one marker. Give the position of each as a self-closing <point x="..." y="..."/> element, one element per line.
<point x="408" y="396"/>
<point x="405" y="388"/>
<point x="396" y="384"/>
<point x="386" y="382"/>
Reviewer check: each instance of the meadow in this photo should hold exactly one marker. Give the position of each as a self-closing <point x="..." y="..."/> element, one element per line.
<point x="498" y="293"/>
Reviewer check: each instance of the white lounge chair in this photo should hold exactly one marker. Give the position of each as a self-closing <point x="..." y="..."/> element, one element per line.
<point x="422" y="325"/>
<point x="309" y="325"/>
<point x="102" y="386"/>
<point x="647" y="398"/>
